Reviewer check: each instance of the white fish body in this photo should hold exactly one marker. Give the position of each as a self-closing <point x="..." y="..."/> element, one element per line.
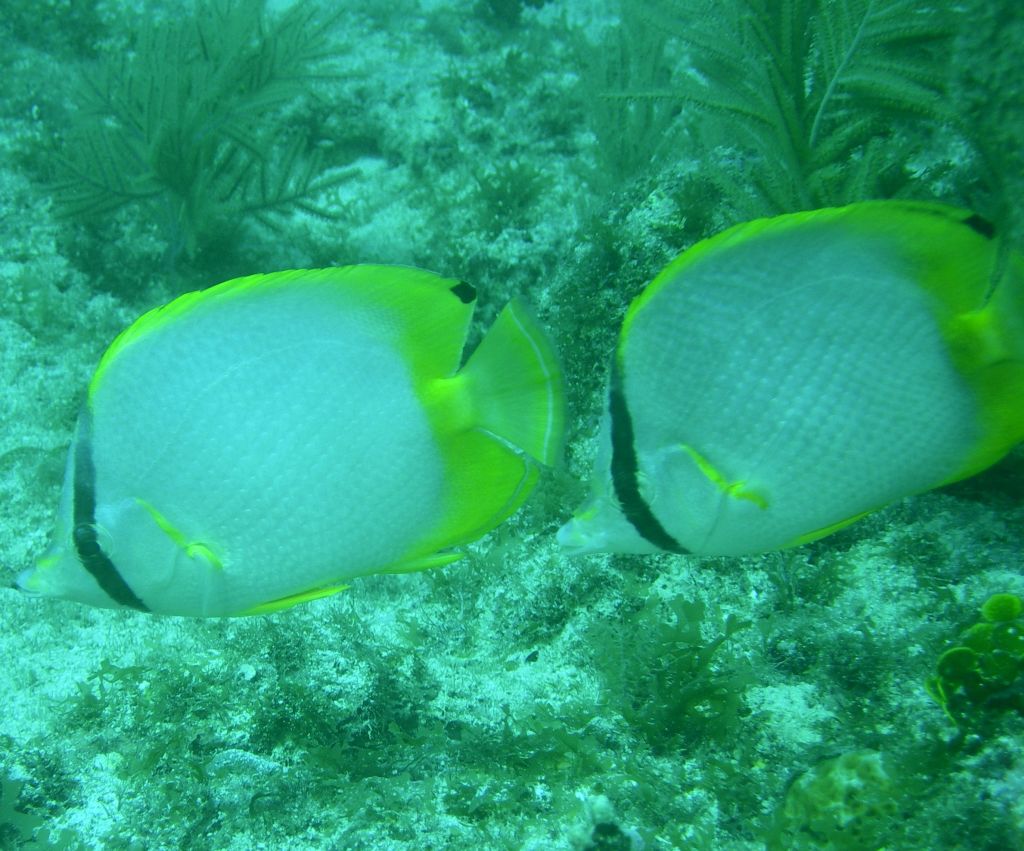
<point x="265" y="441"/>
<point x="783" y="378"/>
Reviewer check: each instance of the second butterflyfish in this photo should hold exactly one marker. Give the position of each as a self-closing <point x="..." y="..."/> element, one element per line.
<point x="265" y="441"/>
<point x="779" y="380"/>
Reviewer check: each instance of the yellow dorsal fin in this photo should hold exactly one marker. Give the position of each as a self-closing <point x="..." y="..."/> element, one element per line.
<point x="428" y="315"/>
<point x="431" y="314"/>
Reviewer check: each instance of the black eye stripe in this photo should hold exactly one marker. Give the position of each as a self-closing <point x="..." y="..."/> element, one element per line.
<point x="625" y="471"/>
<point x="87" y="544"/>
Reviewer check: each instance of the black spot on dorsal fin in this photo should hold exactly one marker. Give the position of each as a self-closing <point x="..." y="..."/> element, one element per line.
<point x="981" y="226"/>
<point x="464" y="292"/>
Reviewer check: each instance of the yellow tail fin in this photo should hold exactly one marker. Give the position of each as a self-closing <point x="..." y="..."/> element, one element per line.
<point x="515" y="385"/>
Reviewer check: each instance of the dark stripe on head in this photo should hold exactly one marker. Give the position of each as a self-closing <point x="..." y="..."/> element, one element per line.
<point x="625" y="471"/>
<point x="464" y="292"/>
<point x="87" y="545"/>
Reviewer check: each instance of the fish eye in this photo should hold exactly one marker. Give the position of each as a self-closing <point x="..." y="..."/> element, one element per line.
<point x="85" y="539"/>
<point x="89" y="540"/>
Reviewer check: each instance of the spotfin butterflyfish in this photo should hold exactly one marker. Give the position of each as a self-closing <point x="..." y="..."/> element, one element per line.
<point x="783" y="378"/>
<point x="264" y="441"/>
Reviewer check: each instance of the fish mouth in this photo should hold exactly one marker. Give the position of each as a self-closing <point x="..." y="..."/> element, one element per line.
<point x="574" y="539"/>
<point x="26" y="581"/>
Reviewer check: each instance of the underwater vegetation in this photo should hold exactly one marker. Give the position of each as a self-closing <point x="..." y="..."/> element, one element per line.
<point x="988" y="98"/>
<point x="671" y="684"/>
<point x="793" y="104"/>
<point x="983" y="675"/>
<point x="516" y="698"/>
<point x="813" y="102"/>
<point x="846" y="803"/>
<point x="14" y="824"/>
<point x="24" y="830"/>
<point x="201" y="123"/>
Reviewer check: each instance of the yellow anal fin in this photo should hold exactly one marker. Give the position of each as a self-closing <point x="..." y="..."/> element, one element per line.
<point x="825" y="531"/>
<point x="410" y="566"/>
<point x="287" y="602"/>
<point x="487" y="482"/>
<point x="732" y="489"/>
<point x="424" y="563"/>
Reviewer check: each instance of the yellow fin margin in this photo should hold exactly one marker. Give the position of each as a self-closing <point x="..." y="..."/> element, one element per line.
<point x="502" y="413"/>
<point x="987" y="347"/>
<point x="293" y="600"/>
<point x="411" y="566"/>
<point x="513" y="384"/>
<point x="487" y="482"/>
<point x="431" y="313"/>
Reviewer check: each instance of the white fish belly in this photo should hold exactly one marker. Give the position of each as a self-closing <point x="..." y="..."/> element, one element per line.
<point x="814" y="379"/>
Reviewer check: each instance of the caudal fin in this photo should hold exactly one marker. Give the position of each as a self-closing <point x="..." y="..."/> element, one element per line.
<point x="516" y="386"/>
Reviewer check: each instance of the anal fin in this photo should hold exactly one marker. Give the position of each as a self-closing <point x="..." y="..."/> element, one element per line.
<point x="293" y="600"/>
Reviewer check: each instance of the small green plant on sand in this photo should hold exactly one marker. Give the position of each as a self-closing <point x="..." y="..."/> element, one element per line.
<point x="667" y="679"/>
<point x="983" y="675"/>
<point x="847" y="803"/>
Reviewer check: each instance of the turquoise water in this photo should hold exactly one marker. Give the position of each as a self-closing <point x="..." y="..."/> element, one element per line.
<point x="563" y="152"/>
